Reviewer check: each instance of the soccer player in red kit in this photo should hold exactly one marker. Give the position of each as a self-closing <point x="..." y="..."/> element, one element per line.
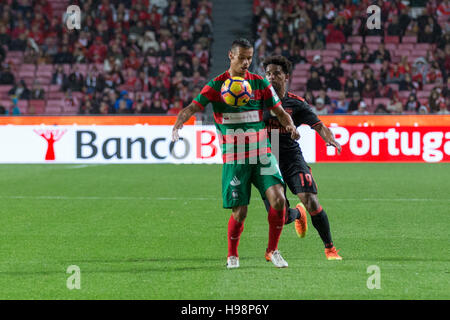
<point x="242" y="169"/>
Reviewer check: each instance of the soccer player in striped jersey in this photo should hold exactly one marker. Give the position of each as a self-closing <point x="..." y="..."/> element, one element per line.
<point x="247" y="157"/>
<point x="296" y="172"/>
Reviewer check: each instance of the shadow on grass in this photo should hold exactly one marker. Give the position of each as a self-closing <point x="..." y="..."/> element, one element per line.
<point x="164" y="264"/>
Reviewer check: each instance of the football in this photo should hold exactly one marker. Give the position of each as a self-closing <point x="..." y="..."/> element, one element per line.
<point x="236" y="91"/>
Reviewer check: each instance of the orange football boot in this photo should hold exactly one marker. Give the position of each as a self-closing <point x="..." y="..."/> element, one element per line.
<point x="301" y="224"/>
<point x="332" y="254"/>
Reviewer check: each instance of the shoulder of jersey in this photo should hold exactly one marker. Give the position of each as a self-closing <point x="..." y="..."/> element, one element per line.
<point x="253" y="76"/>
<point x="221" y="77"/>
<point x="296" y="97"/>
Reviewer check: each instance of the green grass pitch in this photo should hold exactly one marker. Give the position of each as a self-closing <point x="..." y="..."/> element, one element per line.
<point x="159" y="232"/>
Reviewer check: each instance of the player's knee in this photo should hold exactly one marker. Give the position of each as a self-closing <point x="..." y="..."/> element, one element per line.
<point x="312" y="203"/>
<point x="240" y="213"/>
<point x="279" y="202"/>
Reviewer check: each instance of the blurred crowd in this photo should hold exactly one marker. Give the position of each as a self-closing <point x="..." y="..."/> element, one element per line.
<point x="142" y="56"/>
<point x="292" y="28"/>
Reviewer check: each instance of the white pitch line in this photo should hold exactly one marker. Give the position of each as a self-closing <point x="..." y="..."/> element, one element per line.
<point x="80" y="166"/>
<point x="204" y="198"/>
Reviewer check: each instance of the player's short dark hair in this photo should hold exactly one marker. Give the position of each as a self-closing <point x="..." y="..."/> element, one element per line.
<point x="242" y="43"/>
<point x="281" y="61"/>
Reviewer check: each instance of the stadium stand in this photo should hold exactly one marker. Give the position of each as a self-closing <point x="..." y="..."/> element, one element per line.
<point x="131" y="56"/>
<point x="409" y="56"/>
<point x="155" y="55"/>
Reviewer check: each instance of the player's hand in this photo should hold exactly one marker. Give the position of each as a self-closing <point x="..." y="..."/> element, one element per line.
<point x="293" y="131"/>
<point x="176" y="128"/>
<point x="335" y="144"/>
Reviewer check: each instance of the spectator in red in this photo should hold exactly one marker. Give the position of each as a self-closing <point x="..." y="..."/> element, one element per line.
<point x="131" y="79"/>
<point x="176" y="108"/>
<point x="105" y="8"/>
<point x="201" y="53"/>
<point x="335" y="35"/>
<point x="344" y="11"/>
<point x="395" y="75"/>
<point x="132" y="61"/>
<point x="443" y="9"/>
<point x="434" y="75"/>
<point x="37" y="35"/>
<point x="19" y="29"/>
<point x="47" y="9"/>
<point x="369" y="91"/>
<point x="98" y="50"/>
<point x="164" y="68"/>
<point x="404" y="66"/>
<point x="143" y="82"/>
<point x="155" y="18"/>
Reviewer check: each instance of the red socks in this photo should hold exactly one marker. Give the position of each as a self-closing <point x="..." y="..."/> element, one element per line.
<point x="234" y="233"/>
<point x="276" y="222"/>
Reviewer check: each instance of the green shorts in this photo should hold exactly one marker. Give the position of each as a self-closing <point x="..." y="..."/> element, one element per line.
<point x="237" y="181"/>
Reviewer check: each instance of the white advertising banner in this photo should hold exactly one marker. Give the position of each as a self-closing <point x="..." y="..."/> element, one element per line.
<point x="117" y="144"/>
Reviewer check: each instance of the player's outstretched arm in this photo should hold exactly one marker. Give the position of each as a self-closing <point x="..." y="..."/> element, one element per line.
<point x="327" y="136"/>
<point x="286" y="121"/>
<point x="182" y="117"/>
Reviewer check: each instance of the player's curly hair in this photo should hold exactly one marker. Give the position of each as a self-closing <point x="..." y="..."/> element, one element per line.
<point x="281" y="61"/>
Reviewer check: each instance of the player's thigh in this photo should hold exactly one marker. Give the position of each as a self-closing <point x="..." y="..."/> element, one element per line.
<point x="268" y="180"/>
<point x="236" y="185"/>
<point x="276" y="197"/>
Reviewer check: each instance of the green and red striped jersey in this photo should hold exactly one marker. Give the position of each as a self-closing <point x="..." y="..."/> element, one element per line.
<point x="241" y="129"/>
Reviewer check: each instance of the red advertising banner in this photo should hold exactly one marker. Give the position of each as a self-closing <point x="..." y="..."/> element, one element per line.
<point x="388" y="143"/>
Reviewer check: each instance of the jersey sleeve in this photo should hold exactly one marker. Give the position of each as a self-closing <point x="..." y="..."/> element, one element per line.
<point x="303" y="114"/>
<point x="270" y="97"/>
<point x="204" y="97"/>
